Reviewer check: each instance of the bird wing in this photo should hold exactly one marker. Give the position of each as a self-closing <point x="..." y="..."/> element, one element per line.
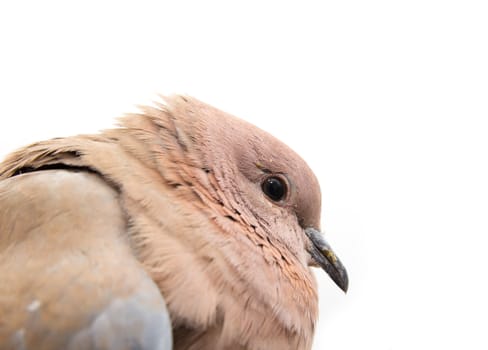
<point x="68" y="276"/>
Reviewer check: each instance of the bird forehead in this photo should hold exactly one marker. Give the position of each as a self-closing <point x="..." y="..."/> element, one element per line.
<point x="270" y="155"/>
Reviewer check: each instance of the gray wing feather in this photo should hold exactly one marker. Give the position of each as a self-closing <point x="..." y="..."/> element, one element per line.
<point x="131" y="324"/>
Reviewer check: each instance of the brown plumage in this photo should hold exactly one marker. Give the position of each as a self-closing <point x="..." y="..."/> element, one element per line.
<point x="176" y="194"/>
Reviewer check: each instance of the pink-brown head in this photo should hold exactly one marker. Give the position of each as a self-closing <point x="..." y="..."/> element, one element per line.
<point x="265" y="184"/>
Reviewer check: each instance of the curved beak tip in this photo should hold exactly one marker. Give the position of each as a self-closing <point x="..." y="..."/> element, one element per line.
<point x="344" y="282"/>
<point x="325" y="257"/>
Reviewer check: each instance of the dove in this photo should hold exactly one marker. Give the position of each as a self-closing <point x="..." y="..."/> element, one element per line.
<point x="182" y="228"/>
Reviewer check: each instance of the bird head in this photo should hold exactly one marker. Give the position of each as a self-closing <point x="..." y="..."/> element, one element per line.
<point x="265" y="187"/>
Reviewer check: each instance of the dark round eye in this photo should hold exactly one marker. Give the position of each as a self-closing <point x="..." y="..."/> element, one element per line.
<point x="274" y="187"/>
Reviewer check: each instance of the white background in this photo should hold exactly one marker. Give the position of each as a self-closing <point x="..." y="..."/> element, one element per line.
<point x="386" y="100"/>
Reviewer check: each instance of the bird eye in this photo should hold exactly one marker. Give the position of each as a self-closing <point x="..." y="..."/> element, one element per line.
<point x="275" y="188"/>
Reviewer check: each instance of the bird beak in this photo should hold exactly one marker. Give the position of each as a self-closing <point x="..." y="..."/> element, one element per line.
<point x="323" y="255"/>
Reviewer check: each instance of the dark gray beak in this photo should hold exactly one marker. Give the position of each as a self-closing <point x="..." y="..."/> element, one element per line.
<point x="323" y="255"/>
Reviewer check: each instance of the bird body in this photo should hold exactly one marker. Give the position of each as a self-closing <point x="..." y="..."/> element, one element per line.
<point x="104" y="235"/>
